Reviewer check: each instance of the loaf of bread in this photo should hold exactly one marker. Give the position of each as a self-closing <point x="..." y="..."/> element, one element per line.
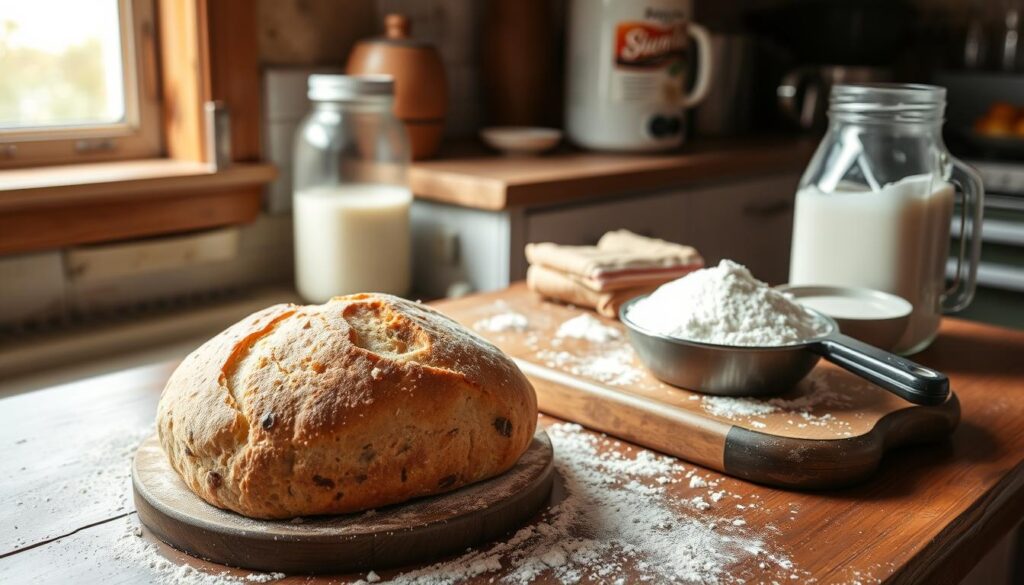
<point x="364" y="401"/>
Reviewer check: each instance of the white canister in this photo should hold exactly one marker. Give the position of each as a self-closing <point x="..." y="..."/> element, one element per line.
<point x="628" y="62"/>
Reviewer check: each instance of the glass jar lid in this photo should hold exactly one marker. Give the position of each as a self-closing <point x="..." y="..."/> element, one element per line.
<point x="890" y="102"/>
<point x="342" y="88"/>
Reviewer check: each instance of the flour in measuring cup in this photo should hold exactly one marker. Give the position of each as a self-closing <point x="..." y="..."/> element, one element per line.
<point x="725" y="305"/>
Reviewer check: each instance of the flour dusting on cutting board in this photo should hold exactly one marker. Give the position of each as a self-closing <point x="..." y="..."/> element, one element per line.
<point x="601" y="353"/>
<point x="610" y="366"/>
<point x="502" y="319"/>
<point x="589" y="328"/>
<point x="503" y="323"/>
<point x="798" y="411"/>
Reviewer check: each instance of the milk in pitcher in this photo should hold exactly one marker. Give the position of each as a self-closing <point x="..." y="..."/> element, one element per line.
<point x="895" y="239"/>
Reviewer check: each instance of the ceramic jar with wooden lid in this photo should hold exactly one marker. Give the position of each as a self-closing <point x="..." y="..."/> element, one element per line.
<point x="421" y="87"/>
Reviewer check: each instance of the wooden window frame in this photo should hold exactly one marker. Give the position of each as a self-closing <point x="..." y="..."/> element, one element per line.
<point x="138" y="136"/>
<point x="221" y="37"/>
<point x="209" y="51"/>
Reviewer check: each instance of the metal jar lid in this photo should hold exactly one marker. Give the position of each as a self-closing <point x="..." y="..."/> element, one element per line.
<point x="329" y="88"/>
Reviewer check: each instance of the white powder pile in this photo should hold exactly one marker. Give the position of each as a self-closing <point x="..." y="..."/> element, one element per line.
<point x="503" y="323"/>
<point x="589" y="328"/>
<point x="617" y="516"/>
<point x="725" y="305"/>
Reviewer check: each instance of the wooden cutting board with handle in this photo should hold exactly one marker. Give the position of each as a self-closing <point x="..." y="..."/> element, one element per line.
<point x="829" y="431"/>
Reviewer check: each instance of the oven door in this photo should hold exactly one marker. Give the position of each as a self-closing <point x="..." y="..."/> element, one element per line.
<point x="1000" y="294"/>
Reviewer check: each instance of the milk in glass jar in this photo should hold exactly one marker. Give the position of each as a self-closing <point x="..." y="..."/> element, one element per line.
<point x="874" y="207"/>
<point x="351" y="207"/>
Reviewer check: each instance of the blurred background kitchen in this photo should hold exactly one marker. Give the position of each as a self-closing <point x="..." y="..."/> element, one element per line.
<point x="147" y="164"/>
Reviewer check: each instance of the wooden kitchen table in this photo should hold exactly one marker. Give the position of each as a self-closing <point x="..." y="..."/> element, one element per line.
<point x="927" y="516"/>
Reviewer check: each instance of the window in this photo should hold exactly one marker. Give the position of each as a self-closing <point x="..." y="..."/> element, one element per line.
<point x="78" y="81"/>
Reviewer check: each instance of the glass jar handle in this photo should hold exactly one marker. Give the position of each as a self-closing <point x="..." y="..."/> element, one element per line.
<point x="960" y="293"/>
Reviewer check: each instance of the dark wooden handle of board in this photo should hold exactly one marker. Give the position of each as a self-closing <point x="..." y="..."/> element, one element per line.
<point x="818" y="464"/>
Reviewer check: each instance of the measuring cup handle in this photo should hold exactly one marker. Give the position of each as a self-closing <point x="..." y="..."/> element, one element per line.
<point x="960" y="293"/>
<point x="904" y="378"/>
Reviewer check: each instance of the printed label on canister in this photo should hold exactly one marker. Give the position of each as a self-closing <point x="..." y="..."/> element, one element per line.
<point x="650" y="61"/>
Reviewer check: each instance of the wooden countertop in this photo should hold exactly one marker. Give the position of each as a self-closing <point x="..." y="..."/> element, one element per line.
<point x="927" y="516"/>
<point x="494" y="182"/>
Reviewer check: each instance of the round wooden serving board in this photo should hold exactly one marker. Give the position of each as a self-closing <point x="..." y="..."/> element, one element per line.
<point x="414" y="532"/>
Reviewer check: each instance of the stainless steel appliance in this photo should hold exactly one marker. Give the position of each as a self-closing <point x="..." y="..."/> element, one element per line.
<point x="803" y="92"/>
<point x="999" y="297"/>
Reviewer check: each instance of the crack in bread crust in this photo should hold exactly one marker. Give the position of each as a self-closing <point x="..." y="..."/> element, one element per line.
<point x="364" y="401"/>
<point x="238" y="354"/>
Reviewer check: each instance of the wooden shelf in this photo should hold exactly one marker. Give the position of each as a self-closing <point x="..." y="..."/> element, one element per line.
<point x="487" y="181"/>
<point x="76" y="184"/>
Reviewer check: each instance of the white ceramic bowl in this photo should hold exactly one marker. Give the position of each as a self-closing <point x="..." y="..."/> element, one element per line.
<point x="872" y="316"/>
<point x="521" y="140"/>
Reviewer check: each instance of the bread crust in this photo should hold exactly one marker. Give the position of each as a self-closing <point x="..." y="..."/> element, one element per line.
<point x="364" y="401"/>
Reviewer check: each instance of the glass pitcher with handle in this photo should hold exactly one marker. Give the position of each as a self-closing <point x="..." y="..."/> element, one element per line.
<point x="874" y="206"/>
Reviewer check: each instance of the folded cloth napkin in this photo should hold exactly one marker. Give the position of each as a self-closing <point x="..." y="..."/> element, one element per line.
<point x="557" y="285"/>
<point x="620" y="260"/>
<point x="621" y="266"/>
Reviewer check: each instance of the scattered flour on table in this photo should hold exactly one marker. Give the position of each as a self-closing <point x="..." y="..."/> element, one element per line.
<point x="105" y="489"/>
<point x="617" y="519"/>
<point x="726" y="305"/>
<point x="617" y="516"/>
<point x="589" y="328"/>
<point x="112" y="458"/>
<point x="133" y="548"/>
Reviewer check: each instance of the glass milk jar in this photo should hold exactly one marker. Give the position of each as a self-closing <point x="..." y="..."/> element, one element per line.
<point x="874" y="206"/>
<point x="351" y="206"/>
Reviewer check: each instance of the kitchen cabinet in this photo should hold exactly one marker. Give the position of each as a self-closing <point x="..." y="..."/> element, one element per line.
<point x="748" y="220"/>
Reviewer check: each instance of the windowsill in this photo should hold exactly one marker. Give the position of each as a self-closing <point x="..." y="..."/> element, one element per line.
<point x="106" y="181"/>
<point x="45" y="208"/>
